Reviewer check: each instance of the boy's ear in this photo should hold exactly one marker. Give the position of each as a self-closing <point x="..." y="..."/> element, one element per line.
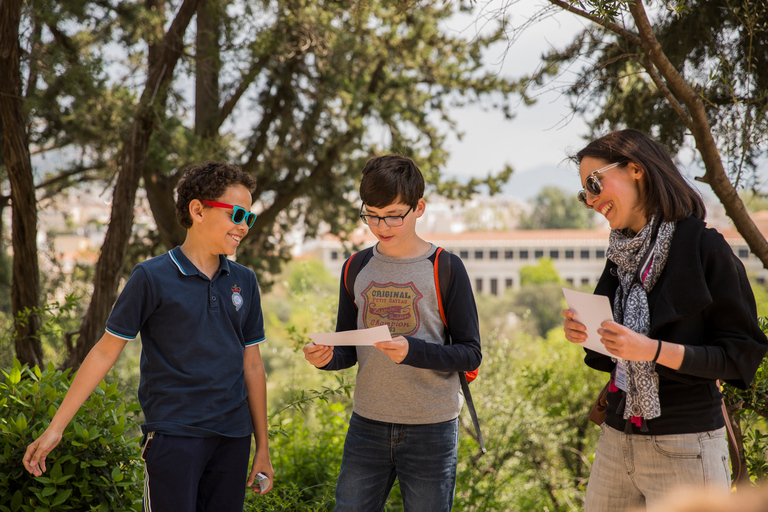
<point x="196" y="210"/>
<point x="420" y="207"/>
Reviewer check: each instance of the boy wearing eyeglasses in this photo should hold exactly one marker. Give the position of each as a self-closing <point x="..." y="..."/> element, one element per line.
<point x="407" y="399"/>
<point x="202" y="386"/>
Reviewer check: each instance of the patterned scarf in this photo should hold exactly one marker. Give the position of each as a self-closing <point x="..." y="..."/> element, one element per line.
<point x="630" y="309"/>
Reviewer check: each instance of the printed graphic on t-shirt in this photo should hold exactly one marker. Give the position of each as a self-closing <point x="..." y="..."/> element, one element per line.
<point x="393" y="305"/>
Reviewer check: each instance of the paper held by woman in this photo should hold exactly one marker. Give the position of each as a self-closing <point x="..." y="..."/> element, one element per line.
<point x="591" y="310"/>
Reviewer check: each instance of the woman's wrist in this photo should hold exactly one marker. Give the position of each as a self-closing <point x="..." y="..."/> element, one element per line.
<point x="658" y="352"/>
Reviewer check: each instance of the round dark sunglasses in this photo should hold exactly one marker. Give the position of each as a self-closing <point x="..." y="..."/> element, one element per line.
<point x="239" y="214"/>
<point x="593" y="185"/>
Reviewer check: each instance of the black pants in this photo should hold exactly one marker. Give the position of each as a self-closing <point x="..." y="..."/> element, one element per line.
<point x="195" y="474"/>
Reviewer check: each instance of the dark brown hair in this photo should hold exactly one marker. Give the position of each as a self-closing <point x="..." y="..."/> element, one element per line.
<point x="665" y="188"/>
<point x="207" y="181"/>
<point x="389" y="177"/>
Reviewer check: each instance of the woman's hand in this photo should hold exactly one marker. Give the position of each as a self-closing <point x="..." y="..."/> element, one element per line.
<point x="625" y="343"/>
<point x="575" y="332"/>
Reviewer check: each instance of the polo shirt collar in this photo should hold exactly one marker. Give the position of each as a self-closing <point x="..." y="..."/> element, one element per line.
<point x="187" y="268"/>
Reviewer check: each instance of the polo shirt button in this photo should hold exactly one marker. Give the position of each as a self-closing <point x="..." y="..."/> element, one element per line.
<point x="213" y="298"/>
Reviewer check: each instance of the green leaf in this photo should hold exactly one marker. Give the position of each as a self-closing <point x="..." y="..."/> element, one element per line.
<point x="56" y="472"/>
<point x="21" y="423"/>
<point x="98" y="463"/>
<point x="16" y="500"/>
<point x="15" y="376"/>
<point x="61" y="498"/>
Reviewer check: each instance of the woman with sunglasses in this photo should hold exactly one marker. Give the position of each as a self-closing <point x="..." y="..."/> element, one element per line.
<point x="684" y="316"/>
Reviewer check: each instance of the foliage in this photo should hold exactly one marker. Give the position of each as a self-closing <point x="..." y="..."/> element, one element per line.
<point x="303" y="300"/>
<point x="750" y="410"/>
<point x="97" y="465"/>
<point x="307" y="456"/>
<point x="55" y="317"/>
<point x="542" y="273"/>
<point x="540" y="306"/>
<point x="717" y="44"/>
<point x="305" y="92"/>
<point x="554" y="208"/>
<point x="532" y="398"/>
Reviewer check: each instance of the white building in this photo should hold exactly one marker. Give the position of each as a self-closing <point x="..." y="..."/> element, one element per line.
<point x="494" y="258"/>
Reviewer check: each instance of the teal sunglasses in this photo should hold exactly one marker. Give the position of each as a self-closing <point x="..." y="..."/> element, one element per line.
<point x="239" y="214"/>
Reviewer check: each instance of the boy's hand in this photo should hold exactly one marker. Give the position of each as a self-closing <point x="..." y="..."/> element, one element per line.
<point x="396" y="349"/>
<point x="264" y="467"/>
<point x="34" y="458"/>
<point x="318" y="355"/>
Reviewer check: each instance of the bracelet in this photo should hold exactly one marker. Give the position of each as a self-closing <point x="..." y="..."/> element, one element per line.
<point x="658" y="351"/>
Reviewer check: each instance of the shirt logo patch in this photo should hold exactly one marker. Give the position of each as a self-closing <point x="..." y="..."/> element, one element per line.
<point x="393" y="305"/>
<point x="237" y="299"/>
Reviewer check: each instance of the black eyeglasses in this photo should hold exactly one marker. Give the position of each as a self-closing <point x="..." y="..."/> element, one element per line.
<point x="239" y="214"/>
<point x="593" y="185"/>
<point x="392" y="221"/>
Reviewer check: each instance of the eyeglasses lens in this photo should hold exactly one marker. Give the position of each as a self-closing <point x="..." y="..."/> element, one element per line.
<point x="593" y="185"/>
<point x="238" y="215"/>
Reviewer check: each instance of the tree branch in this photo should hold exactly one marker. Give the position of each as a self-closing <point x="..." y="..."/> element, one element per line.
<point x="715" y="174"/>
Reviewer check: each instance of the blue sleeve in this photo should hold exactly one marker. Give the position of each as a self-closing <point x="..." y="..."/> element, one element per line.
<point x="133" y="306"/>
<point x="253" y="328"/>
<point x="346" y="320"/>
<point x="464" y="353"/>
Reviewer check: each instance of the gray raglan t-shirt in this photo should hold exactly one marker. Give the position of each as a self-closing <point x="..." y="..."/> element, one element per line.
<point x="401" y="293"/>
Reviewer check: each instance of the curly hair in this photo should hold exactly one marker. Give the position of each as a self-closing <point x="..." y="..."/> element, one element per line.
<point x="207" y="181"/>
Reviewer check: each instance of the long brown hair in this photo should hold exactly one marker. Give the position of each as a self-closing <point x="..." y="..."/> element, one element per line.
<point x="665" y="188"/>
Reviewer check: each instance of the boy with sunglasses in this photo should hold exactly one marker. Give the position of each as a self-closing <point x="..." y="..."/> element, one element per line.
<point x="407" y="400"/>
<point x="202" y="387"/>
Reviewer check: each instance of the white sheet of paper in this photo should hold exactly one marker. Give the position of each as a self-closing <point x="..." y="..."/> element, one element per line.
<point x="591" y="310"/>
<point x="350" y="338"/>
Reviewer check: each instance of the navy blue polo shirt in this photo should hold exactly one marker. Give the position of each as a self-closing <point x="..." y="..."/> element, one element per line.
<point x="193" y="334"/>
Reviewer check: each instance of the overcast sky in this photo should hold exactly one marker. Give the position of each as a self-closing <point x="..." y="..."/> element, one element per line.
<point x="538" y="137"/>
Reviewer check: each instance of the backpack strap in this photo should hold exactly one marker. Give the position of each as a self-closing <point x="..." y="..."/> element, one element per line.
<point x="352" y="267"/>
<point x="442" y="265"/>
<point x="732" y="444"/>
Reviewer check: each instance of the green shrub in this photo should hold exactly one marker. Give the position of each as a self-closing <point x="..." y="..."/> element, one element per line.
<point x="306" y="454"/>
<point x="95" y="467"/>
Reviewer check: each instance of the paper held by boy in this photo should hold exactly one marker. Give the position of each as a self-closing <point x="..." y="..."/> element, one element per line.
<point x="591" y="310"/>
<point x="351" y="338"/>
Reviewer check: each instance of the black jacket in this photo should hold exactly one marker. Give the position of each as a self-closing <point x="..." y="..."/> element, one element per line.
<point x="703" y="300"/>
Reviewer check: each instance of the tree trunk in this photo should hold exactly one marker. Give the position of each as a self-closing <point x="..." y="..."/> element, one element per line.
<point x="207" y="59"/>
<point x="714" y="175"/>
<point x="160" y="196"/>
<point x="112" y="259"/>
<point x="25" y="283"/>
<point x="694" y="115"/>
<point x="207" y="121"/>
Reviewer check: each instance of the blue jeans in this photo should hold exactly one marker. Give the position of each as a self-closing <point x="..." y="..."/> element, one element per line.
<point x="632" y="472"/>
<point x="421" y="457"/>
